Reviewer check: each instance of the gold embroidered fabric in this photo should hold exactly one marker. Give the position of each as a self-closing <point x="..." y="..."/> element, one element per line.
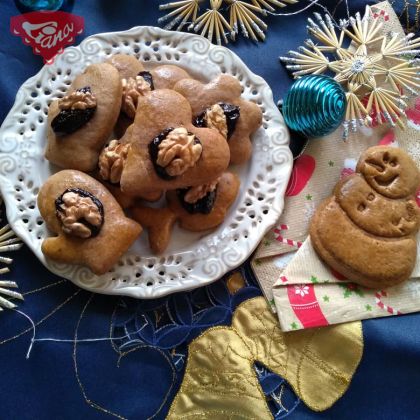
<point x="220" y="381"/>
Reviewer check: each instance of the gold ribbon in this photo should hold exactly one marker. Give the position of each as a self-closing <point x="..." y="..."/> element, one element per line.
<point x="220" y="381"/>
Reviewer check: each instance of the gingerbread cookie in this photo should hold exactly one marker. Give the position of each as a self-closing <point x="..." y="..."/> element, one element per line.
<point x="205" y="206"/>
<point x="135" y="81"/>
<point x="365" y="207"/>
<point x="219" y="105"/>
<point x="80" y="123"/>
<point x="158" y="222"/>
<point x="196" y="209"/>
<point x="127" y="65"/>
<point x="124" y="200"/>
<point x="167" y="75"/>
<point x="110" y="165"/>
<point x="367" y="229"/>
<point x="390" y="171"/>
<point x="162" y="77"/>
<point x="91" y="227"/>
<point x="166" y="151"/>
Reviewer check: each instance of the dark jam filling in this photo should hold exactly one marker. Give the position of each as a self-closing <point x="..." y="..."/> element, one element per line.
<point x="232" y="114"/>
<point x="154" y="150"/>
<point x="203" y="205"/>
<point x="148" y="77"/>
<point x="68" y="121"/>
<point x="85" y="89"/>
<point x="82" y="193"/>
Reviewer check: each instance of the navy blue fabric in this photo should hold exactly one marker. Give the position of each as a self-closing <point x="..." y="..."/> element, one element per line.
<point x="55" y="382"/>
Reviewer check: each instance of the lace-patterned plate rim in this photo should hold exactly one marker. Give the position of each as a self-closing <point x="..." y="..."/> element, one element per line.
<point x="23" y="167"/>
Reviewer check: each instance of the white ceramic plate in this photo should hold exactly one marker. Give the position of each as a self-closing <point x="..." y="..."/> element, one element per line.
<point x="191" y="260"/>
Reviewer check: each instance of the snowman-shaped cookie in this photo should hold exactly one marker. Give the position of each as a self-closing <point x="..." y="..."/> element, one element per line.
<point x="367" y="229"/>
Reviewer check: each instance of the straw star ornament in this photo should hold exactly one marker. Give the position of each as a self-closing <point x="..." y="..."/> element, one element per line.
<point x="8" y="242"/>
<point x="375" y="70"/>
<point x="223" y="19"/>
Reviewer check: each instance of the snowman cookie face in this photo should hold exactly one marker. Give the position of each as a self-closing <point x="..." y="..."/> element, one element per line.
<point x="389" y="171"/>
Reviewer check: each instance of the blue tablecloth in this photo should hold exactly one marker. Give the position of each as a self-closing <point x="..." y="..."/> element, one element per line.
<point x="57" y="381"/>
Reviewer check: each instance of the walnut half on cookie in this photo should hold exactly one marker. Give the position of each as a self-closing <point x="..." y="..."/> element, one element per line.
<point x="90" y="226"/>
<point x="110" y="166"/>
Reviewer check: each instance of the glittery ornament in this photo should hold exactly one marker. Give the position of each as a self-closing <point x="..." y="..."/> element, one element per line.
<point x="315" y="105"/>
<point x="8" y="242"/>
<point x="375" y="70"/>
<point x="212" y="23"/>
<point x="6" y="294"/>
<point x="181" y="13"/>
<point x="268" y="4"/>
<point x="243" y="17"/>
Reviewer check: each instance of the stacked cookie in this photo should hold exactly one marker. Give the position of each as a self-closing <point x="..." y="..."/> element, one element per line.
<point x="171" y="136"/>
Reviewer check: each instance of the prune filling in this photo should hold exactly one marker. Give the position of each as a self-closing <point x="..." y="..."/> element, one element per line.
<point x="154" y="150"/>
<point x="68" y="121"/>
<point x="232" y="114"/>
<point x="203" y="205"/>
<point x="83" y="193"/>
<point x="148" y="77"/>
<point x="84" y="89"/>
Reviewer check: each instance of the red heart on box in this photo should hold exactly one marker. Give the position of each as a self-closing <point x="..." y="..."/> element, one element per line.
<point x="47" y="32"/>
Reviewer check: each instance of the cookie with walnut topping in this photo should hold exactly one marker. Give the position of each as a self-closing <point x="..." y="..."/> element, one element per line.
<point x="110" y="165"/>
<point x="80" y="123"/>
<point x="204" y="206"/>
<point x="219" y="105"/>
<point x="163" y="77"/>
<point x="196" y="209"/>
<point x="137" y="81"/>
<point x="90" y="226"/>
<point x="166" y="151"/>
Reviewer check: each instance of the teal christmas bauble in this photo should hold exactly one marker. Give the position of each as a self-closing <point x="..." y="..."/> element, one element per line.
<point x="315" y="105"/>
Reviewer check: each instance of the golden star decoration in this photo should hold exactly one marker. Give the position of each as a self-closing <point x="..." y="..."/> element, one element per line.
<point x="376" y="70"/>
<point x="212" y="23"/>
<point x="220" y="381"/>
